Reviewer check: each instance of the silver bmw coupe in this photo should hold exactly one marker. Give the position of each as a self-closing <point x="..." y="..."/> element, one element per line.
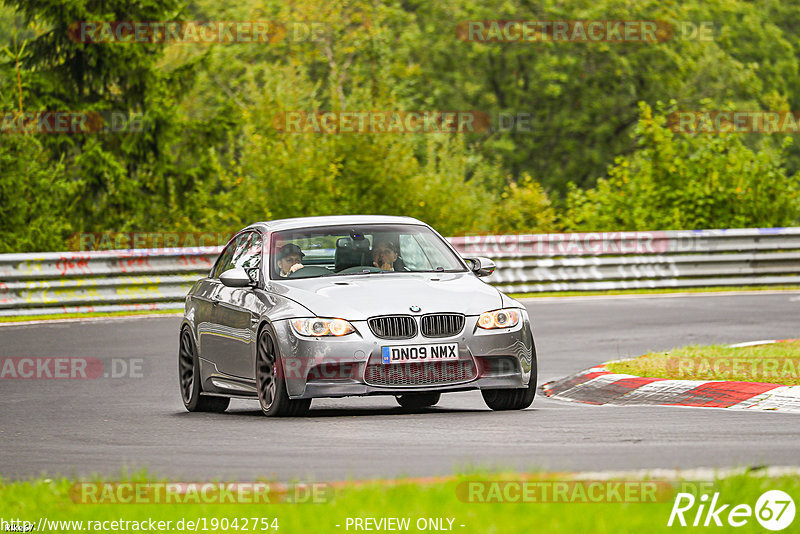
<point x="341" y="306"/>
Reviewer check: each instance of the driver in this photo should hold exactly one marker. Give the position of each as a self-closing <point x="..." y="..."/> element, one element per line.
<point x="290" y="259"/>
<point x="386" y="256"/>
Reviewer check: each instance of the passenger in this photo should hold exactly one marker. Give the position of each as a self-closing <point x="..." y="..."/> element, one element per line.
<point x="290" y="259"/>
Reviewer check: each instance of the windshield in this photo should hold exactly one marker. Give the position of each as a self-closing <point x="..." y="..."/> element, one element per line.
<point x="359" y="249"/>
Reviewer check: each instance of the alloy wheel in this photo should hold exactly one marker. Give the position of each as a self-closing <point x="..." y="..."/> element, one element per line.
<point x="266" y="370"/>
<point x="187" y="370"/>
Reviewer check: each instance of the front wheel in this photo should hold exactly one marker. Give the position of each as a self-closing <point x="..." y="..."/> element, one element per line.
<point x="513" y="399"/>
<point x="271" y="381"/>
<point x="189" y="375"/>
<point x="416" y="401"/>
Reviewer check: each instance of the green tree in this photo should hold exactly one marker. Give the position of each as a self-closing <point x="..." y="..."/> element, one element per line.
<point x="523" y="208"/>
<point x="686" y="181"/>
<point x="579" y="100"/>
<point x="34" y="202"/>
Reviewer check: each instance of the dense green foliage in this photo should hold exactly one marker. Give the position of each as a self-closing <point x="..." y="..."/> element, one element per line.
<point x="672" y="182"/>
<point x="592" y="153"/>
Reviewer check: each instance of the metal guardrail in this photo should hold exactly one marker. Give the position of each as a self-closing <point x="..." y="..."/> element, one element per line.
<point x="635" y="260"/>
<point x="54" y="282"/>
<point x="118" y="280"/>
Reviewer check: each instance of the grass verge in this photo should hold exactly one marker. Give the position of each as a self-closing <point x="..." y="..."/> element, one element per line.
<point x="572" y="511"/>
<point x="54" y="316"/>
<point x="777" y="363"/>
<point x="658" y="291"/>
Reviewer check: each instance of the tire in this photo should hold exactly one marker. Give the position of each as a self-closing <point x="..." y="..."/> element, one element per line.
<point x="189" y="379"/>
<point x="271" y="380"/>
<point x="513" y="399"/>
<point x="416" y="401"/>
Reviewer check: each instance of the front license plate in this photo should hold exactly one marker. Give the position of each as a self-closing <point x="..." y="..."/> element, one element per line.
<point x="421" y="353"/>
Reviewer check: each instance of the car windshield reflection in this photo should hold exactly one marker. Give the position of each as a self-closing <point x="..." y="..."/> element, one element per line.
<point x="360" y="250"/>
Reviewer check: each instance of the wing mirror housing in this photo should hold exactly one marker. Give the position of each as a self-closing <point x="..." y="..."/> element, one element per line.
<point x="481" y="266"/>
<point x="236" y="277"/>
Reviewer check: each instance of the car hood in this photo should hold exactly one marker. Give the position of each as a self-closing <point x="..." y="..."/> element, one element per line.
<point x="358" y="297"/>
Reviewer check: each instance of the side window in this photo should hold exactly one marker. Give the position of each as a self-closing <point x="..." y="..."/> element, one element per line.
<point x="231" y="254"/>
<point x="224" y="259"/>
<point x="251" y="258"/>
<point x="240" y="251"/>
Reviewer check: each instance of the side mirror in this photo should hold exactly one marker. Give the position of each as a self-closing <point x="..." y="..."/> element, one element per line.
<point x="236" y="278"/>
<point x="481" y="266"/>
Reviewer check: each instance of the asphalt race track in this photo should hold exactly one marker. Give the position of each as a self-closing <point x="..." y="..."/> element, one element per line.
<point x="105" y="425"/>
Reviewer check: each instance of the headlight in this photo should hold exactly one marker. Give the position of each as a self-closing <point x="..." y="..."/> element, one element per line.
<point x="506" y="318"/>
<point x="318" y="327"/>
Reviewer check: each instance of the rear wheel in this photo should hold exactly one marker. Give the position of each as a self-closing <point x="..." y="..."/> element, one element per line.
<point x="513" y="399"/>
<point x="189" y="376"/>
<point x="418" y="400"/>
<point x="271" y="381"/>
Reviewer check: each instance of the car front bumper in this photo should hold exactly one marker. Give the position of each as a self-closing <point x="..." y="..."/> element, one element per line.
<point x="352" y="365"/>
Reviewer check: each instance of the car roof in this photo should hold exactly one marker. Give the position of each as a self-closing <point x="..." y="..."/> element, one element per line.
<point x="331" y="220"/>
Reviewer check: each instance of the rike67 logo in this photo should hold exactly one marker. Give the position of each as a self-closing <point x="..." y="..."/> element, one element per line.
<point x="774" y="510"/>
